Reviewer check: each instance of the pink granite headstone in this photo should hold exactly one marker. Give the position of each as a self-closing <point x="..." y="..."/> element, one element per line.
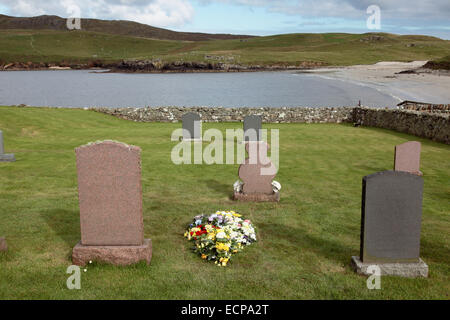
<point x="251" y="171"/>
<point x="3" y="244"/>
<point x="110" y="198"/>
<point x="257" y="173"/>
<point x="110" y="194"/>
<point x="407" y="157"/>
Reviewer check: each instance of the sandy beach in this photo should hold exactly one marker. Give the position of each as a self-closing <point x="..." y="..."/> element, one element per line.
<point x="424" y="85"/>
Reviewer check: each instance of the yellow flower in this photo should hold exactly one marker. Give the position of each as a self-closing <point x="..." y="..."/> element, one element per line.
<point x="204" y="256"/>
<point x="222" y="246"/>
<point x="223" y="261"/>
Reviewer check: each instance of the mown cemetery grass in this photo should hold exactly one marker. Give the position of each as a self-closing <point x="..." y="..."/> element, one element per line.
<point x="305" y="242"/>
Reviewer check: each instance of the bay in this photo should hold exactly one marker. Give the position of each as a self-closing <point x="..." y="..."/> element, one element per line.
<point x="85" y="88"/>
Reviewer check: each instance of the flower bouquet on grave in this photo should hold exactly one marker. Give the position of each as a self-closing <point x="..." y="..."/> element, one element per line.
<point x="218" y="236"/>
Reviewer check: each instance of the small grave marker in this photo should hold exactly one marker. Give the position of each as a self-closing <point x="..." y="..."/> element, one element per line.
<point x="5" y="157"/>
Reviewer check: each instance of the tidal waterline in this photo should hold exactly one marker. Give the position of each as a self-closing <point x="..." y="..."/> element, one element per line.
<point x="84" y="88"/>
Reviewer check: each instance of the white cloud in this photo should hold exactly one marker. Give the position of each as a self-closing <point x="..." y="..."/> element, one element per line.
<point x="26" y="7"/>
<point x="162" y="13"/>
<point x="403" y="9"/>
<point x="178" y="13"/>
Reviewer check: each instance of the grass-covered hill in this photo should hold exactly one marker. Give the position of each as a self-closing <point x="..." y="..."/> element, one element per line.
<point x="119" y="27"/>
<point x="56" y="46"/>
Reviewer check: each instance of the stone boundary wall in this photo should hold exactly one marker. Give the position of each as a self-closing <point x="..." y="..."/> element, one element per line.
<point x="443" y="108"/>
<point x="434" y="126"/>
<point x="220" y="114"/>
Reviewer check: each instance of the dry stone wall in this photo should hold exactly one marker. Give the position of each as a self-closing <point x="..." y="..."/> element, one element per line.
<point x="434" y="126"/>
<point x="431" y="125"/>
<point x="220" y="114"/>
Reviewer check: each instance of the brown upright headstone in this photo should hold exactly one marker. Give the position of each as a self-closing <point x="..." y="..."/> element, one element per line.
<point x="110" y="198"/>
<point x="407" y="157"/>
<point x="257" y="173"/>
<point x="3" y="245"/>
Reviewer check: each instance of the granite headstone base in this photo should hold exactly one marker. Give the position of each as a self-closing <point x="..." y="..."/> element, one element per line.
<point x="3" y="245"/>
<point x="256" y="197"/>
<point x="116" y="255"/>
<point x="409" y="270"/>
<point x="7" y="157"/>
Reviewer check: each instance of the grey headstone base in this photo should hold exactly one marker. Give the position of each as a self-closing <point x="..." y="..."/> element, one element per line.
<point x="409" y="270"/>
<point x="116" y="255"/>
<point x="7" y="157"/>
<point x="257" y="197"/>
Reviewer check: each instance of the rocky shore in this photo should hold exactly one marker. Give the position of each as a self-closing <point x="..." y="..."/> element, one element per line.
<point x="157" y="66"/>
<point x="28" y="66"/>
<point x="150" y="66"/>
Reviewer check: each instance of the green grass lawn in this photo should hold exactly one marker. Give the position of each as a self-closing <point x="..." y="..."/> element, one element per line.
<point x="291" y="49"/>
<point x="305" y="241"/>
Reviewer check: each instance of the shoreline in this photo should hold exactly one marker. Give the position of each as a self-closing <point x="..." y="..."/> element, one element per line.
<point x="153" y="67"/>
<point x="399" y="68"/>
<point x="400" y="80"/>
<point x="111" y="70"/>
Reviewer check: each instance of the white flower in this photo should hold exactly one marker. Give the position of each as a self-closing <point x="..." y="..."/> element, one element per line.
<point x="238" y="186"/>
<point x="276" y="186"/>
<point x="221" y="235"/>
<point x="234" y="235"/>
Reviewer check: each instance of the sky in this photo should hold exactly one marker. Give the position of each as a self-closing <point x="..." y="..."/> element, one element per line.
<point x="255" y="17"/>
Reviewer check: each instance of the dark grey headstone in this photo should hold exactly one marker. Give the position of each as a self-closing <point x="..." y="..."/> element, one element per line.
<point x="5" y="157"/>
<point x="391" y="214"/>
<point x="192" y="126"/>
<point x="252" y="128"/>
